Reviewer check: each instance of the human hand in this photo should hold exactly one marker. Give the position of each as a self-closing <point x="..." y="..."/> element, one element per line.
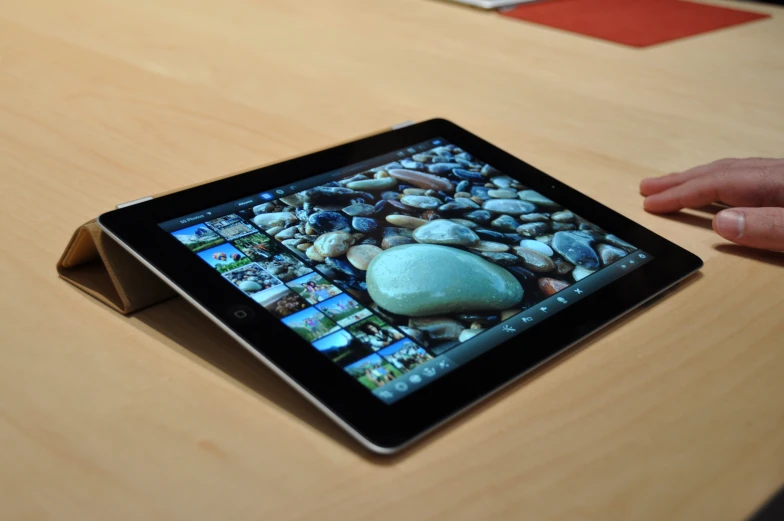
<point x="753" y="187"/>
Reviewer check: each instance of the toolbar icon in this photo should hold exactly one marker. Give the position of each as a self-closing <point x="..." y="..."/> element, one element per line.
<point x="642" y="256"/>
<point x="623" y="266"/>
<point x="280" y="192"/>
<point x="562" y="300"/>
<point x="401" y="154"/>
<point x="415" y="379"/>
<point x="429" y="371"/>
<point x="631" y="262"/>
<point x="527" y="319"/>
<point x="267" y="196"/>
<point x="543" y="309"/>
<point x="578" y="291"/>
<point x="412" y="150"/>
<point x="401" y="386"/>
<point x="508" y="329"/>
<point x="443" y="364"/>
<point x="386" y="394"/>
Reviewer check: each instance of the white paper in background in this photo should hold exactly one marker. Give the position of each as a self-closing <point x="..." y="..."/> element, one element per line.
<point x="493" y="4"/>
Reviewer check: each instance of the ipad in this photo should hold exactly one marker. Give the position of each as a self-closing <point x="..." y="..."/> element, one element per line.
<point x="398" y="279"/>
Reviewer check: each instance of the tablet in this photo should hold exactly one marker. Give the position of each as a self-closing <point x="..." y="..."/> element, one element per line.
<point x="398" y="279"/>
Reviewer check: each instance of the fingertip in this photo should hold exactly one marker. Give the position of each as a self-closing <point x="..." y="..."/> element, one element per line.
<point x="655" y="185"/>
<point x="729" y="224"/>
<point x="655" y="204"/>
<point x="646" y="185"/>
<point x="754" y="227"/>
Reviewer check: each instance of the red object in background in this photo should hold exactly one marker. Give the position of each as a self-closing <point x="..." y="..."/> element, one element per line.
<point x="638" y="23"/>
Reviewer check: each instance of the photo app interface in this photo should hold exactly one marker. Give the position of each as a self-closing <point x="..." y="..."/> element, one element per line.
<point x="401" y="268"/>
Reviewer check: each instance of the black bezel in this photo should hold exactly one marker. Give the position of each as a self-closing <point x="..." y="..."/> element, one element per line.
<point x="384" y="426"/>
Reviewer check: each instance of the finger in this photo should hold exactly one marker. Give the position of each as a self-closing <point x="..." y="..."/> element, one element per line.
<point x="755" y="227"/>
<point x="756" y="186"/>
<point x="654" y="185"/>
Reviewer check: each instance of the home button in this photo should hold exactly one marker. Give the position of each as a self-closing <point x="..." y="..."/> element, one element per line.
<point x="241" y="314"/>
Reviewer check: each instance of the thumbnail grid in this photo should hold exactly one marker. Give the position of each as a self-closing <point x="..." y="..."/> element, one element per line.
<point x="331" y="320"/>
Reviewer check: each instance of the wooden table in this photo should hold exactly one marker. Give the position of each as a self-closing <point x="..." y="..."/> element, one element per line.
<point x="674" y="413"/>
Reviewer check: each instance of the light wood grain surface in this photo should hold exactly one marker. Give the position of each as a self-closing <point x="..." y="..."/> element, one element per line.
<point x="676" y="412"/>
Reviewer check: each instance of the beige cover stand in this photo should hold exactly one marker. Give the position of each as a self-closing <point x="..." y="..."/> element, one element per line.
<point x="97" y="265"/>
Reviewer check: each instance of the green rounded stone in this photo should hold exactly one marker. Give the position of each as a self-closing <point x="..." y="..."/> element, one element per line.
<point x="419" y="280"/>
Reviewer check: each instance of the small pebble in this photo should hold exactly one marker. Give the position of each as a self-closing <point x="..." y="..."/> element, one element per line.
<point x="562" y="227"/>
<point x="505" y="223"/>
<point x="333" y="244"/>
<point x="360" y="256"/>
<point x="536" y="198"/>
<point x="286" y="233"/>
<point x="438" y="328"/>
<point x="269" y="220"/>
<point x="445" y="232"/>
<point x="534" y="260"/>
<point x="488" y="246"/>
<point x="533" y="218"/>
<point x="609" y="254"/>
<point x="421" y="180"/>
<point x="532" y="229"/>
<point x="550" y="286"/>
<point x="478" y="216"/>
<point x="395" y="240"/>
<point x="384" y="183"/>
<point x="538" y="246"/>
<point x="314" y="255"/>
<point x="420" y="201"/>
<point x="364" y="224"/>
<point x="467" y="175"/>
<point x="563" y="217"/>
<point x="406" y="221"/>
<point x="489" y="171"/>
<point x="577" y="248"/>
<point x="502" y="181"/>
<point x="360" y="209"/>
<point x="563" y="267"/>
<point x="508" y="206"/>
<point x="502" y="194"/>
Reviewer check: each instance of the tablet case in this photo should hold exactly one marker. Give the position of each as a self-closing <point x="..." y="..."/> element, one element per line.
<point x="97" y="265"/>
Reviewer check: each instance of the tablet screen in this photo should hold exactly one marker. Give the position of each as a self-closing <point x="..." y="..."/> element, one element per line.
<point x="403" y="267"/>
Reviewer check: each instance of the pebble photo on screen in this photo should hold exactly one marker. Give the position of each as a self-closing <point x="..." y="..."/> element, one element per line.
<point x="440" y="245"/>
<point x="385" y="269"/>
